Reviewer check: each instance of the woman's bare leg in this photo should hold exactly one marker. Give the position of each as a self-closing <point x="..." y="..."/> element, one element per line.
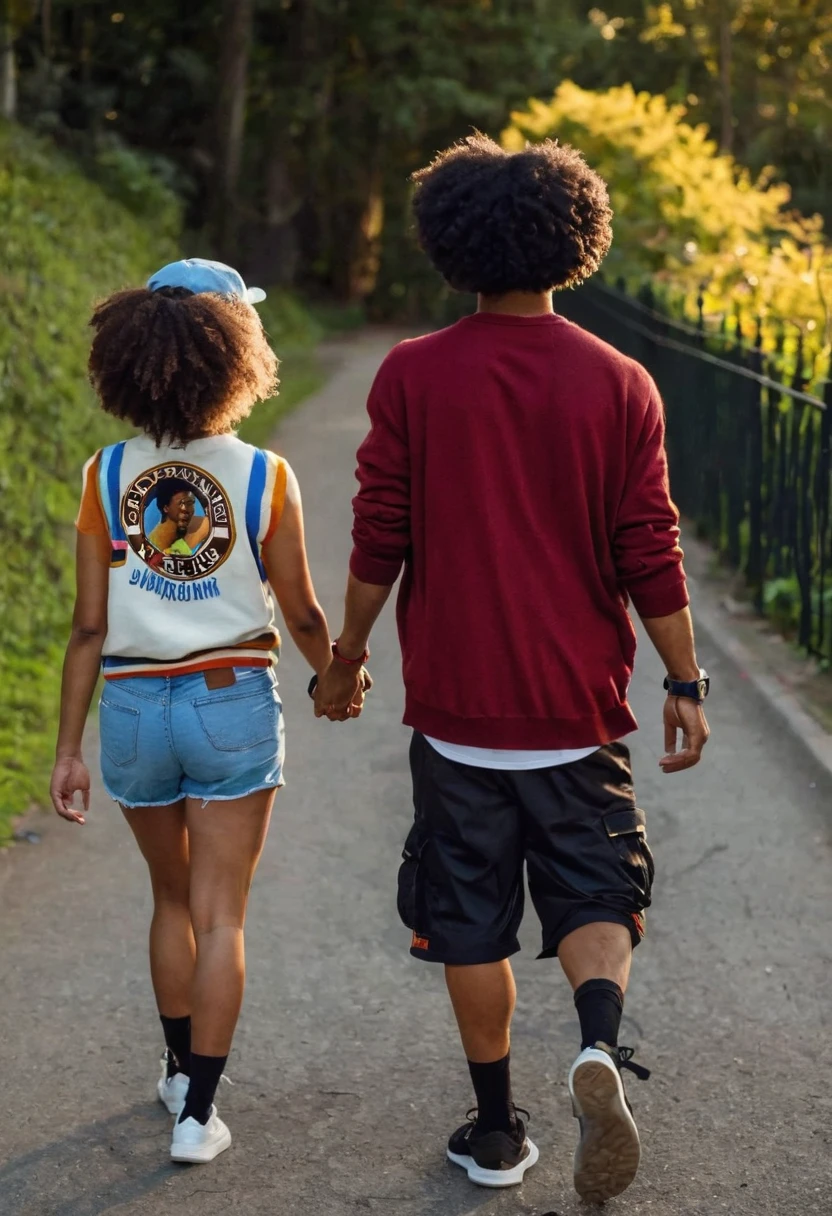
<point x="162" y="836"/>
<point x="226" y="840"/>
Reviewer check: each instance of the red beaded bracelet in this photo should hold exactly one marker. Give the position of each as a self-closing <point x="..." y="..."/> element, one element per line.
<point x="336" y="654"/>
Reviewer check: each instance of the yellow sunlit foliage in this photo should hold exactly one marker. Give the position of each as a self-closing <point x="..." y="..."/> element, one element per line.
<point x="688" y="216"/>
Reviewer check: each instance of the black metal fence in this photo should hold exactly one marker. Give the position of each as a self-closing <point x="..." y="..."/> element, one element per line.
<point x="749" y="456"/>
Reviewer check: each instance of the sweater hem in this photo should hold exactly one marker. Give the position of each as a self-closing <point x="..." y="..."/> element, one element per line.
<point x="521" y="733"/>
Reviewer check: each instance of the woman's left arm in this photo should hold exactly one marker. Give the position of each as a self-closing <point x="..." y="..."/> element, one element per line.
<point x="284" y="556"/>
<point x="80" y="676"/>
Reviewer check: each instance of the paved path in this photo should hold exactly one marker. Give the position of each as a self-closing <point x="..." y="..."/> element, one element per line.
<point x="347" y="1072"/>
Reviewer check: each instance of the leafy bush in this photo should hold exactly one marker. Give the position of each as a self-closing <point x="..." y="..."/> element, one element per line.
<point x="143" y="184"/>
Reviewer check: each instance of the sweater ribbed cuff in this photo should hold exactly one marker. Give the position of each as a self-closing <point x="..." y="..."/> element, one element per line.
<point x="374" y="570"/>
<point x="661" y="601"/>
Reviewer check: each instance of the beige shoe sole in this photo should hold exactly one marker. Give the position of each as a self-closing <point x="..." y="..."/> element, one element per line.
<point x="608" y="1153"/>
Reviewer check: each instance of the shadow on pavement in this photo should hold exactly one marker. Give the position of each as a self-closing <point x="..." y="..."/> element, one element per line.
<point x="92" y="1170"/>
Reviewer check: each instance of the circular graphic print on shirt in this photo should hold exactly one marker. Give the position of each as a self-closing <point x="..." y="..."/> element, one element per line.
<point x="178" y="519"/>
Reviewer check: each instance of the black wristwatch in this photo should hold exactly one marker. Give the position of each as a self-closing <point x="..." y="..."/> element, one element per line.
<point x="694" y="690"/>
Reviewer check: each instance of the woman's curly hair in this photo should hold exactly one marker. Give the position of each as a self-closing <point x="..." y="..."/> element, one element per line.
<point x="493" y="221"/>
<point x="179" y="365"/>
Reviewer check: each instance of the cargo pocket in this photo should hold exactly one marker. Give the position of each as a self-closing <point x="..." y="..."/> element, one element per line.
<point x="627" y="832"/>
<point x="408" y="897"/>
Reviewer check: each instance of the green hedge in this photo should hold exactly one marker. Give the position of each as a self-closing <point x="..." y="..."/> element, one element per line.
<point x="67" y="242"/>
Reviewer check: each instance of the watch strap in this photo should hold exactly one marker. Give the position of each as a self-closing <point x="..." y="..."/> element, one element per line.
<point x="693" y="690"/>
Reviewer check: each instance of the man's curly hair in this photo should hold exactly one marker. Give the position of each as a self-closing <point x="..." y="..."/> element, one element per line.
<point x="493" y="221"/>
<point x="179" y="365"/>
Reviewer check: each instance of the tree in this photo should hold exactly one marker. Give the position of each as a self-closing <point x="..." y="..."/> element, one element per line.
<point x="234" y="47"/>
<point x="14" y="14"/>
<point x="755" y="72"/>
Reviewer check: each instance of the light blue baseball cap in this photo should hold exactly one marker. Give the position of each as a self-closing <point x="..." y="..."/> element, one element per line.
<point x="199" y="275"/>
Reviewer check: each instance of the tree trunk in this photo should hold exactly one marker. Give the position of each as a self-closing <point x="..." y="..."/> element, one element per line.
<point x="46" y="29"/>
<point x="8" y="68"/>
<point x="366" y="249"/>
<point x="726" y="52"/>
<point x="235" y="45"/>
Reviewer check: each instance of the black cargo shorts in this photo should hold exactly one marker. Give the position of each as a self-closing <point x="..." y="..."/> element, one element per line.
<point x="576" y="827"/>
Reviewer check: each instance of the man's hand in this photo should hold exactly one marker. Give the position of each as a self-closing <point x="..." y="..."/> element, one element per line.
<point x="685" y="715"/>
<point x="340" y="692"/>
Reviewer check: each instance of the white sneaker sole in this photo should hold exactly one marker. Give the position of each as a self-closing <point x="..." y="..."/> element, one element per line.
<point x="609" y="1150"/>
<point x="496" y="1178"/>
<point x="193" y="1154"/>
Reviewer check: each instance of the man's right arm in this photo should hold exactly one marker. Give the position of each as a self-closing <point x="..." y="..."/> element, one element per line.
<point x="649" y="565"/>
<point x="672" y="637"/>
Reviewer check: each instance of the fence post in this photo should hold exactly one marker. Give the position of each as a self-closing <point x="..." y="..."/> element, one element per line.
<point x="822" y="498"/>
<point x="801" y="523"/>
<point x="755" y="479"/>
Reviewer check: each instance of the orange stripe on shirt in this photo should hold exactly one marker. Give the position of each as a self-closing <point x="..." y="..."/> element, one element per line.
<point x="278" y="499"/>
<point x="91" y="519"/>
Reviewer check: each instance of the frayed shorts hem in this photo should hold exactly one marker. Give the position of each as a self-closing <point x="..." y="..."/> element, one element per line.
<point x="255" y="789"/>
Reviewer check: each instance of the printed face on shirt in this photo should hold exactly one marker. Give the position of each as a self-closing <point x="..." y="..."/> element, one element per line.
<point x="180" y="510"/>
<point x="178" y="520"/>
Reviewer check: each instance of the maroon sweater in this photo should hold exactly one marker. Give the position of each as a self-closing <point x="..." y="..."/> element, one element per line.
<point x="516" y="467"/>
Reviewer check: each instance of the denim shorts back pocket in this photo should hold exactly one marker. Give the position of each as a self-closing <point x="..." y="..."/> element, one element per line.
<point x="239" y="722"/>
<point x="119" y="728"/>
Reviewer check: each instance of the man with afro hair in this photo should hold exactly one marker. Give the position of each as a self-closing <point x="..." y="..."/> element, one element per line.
<point x="515" y="468"/>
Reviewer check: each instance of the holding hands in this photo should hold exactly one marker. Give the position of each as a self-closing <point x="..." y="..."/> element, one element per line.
<point x="339" y="691"/>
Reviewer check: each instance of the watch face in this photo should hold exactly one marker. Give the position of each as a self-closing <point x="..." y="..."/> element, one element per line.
<point x="702" y="686"/>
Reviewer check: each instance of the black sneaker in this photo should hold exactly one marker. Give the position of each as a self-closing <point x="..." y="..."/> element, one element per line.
<point x="493" y="1158"/>
<point x="608" y="1152"/>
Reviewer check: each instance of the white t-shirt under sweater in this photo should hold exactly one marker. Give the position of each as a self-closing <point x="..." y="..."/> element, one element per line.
<point x="497" y="758"/>
<point x="182" y="530"/>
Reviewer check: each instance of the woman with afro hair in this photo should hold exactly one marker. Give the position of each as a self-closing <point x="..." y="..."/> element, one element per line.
<point x="186" y="537"/>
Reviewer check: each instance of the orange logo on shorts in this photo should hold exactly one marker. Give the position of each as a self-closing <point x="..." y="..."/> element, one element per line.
<point x="419" y="943"/>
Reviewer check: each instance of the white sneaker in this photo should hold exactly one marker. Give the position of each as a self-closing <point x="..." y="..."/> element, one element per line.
<point x="197" y="1144"/>
<point x="172" y="1093"/>
<point x="608" y="1152"/>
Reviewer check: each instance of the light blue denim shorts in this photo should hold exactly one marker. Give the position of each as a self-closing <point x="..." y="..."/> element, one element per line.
<point x="167" y="738"/>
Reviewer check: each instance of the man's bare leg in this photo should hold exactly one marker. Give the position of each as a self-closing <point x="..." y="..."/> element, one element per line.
<point x="597" y="951"/>
<point x="483" y="997"/>
<point x="596" y="960"/>
<point x="495" y="1150"/>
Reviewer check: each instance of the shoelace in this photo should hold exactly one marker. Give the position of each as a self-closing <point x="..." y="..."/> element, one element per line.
<point x="623" y="1057"/>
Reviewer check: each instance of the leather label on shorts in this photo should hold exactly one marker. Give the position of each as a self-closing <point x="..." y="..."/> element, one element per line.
<point x="219" y="677"/>
<point x="419" y="943"/>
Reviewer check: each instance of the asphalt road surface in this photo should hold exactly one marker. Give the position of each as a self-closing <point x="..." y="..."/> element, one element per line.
<point x="346" y="1068"/>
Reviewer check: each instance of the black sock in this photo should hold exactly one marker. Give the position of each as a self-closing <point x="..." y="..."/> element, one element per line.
<point x="599" y="1004"/>
<point x="492" y="1085"/>
<point x="178" y="1042"/>
<point x="205" y="1077"/>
